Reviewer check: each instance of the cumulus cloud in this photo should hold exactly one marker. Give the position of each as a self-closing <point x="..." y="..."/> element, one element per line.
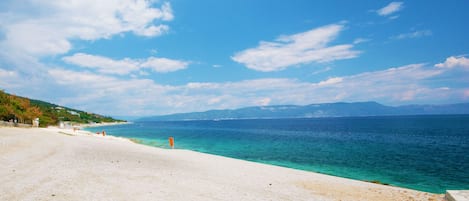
<point x="126" y="65"/>
<point x="153" y="30"/>
<point x="408" y="84"/>
<point x="102" y="64"/>
<point x="49" y="28"/>
<point x="109" y="95"/>
<point x="95" y="82"/>
<point x="454" y="61"/>
<point x="391" y="8"/>
<point x="300" y="48"/>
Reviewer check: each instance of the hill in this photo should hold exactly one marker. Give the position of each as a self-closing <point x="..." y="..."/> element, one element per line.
<point x="316" y="110"/>
<point x="24" y="110"/>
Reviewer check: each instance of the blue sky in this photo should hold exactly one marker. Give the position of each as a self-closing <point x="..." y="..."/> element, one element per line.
<point x="137" y="58"/>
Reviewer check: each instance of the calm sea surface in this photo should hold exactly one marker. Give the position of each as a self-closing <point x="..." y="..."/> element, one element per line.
<point x="429" y="153"/>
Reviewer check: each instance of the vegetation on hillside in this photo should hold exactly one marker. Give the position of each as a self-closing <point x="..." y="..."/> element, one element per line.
<point x="18" y="108"/>
<point x="24" y="110"/>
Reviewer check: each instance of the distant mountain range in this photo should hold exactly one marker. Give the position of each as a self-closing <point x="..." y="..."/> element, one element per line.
<point x="339" y="109"/>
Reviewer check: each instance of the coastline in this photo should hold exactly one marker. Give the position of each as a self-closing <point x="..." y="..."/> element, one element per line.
<point x="103" y="124"/>
<point x="40" y="163"/>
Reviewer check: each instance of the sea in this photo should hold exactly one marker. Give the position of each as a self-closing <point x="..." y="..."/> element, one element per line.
<point x="428" y="153"/>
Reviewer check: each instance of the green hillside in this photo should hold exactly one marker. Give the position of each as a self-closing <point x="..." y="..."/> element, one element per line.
<point x="24" y="110"/>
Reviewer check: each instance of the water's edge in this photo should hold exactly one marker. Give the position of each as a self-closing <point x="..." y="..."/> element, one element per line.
<point x="431" y="179"/>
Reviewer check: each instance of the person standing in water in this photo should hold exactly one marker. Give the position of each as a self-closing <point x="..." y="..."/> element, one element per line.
<point x="171" y="142"/>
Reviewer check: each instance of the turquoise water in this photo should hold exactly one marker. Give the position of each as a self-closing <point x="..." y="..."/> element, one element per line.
<point x="428" y="153"/>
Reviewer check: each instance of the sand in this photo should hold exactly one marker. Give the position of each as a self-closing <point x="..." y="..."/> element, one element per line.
<point x="54" y="164"/>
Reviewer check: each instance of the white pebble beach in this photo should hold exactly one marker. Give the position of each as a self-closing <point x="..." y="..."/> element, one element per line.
<point x="58" y="164"/>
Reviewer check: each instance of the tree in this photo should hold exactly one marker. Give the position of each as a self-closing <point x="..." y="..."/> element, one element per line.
<point x="26" y="110"/>
<point x="32" y="113"/>
<point x="4" y="102"/>
<point x="18" y="107"/>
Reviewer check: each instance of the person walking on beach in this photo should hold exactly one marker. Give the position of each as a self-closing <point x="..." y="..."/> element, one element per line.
<point x="171" y="142"/>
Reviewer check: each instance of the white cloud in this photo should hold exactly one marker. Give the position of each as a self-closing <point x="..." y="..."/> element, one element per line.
<point x="6" y="73"/>
<point x="415" y="34"/>
<point x="43" y="27"/>
<point x="301" y="48"/>
<point x="164" y="65"/>
<point x="126" y="65"/>
<point x="102" y="64"/>
<point x="331" y="81"/>
<point x="166" y="12"/>
<point x="153" y="30"/>
<point x="49" y="29"/>
<point x="391" y="8"/>
<point x="8" y="79"/>
<point x="321" y="70"/>
<point x="454" y="61"/>
<point x="109" y="95"/>
<point x="415" y="83"/>
<point x="98" y="83"/>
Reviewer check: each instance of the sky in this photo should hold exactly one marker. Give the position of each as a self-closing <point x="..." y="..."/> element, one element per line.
<point x="147" y="57"/>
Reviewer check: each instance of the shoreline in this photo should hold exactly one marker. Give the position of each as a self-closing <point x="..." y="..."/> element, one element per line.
<point x="82" y="132"/>
<point x="374" y="181"/>
<point x="89" y="125"/>
<point x="219" y="177"/>
<point x="138" y="141"/>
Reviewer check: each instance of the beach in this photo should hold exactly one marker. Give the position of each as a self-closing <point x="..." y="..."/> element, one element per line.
<point x="60" y="164"/>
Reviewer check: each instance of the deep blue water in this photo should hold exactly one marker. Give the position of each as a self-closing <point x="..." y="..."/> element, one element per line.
<point x="429" y="153"/>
